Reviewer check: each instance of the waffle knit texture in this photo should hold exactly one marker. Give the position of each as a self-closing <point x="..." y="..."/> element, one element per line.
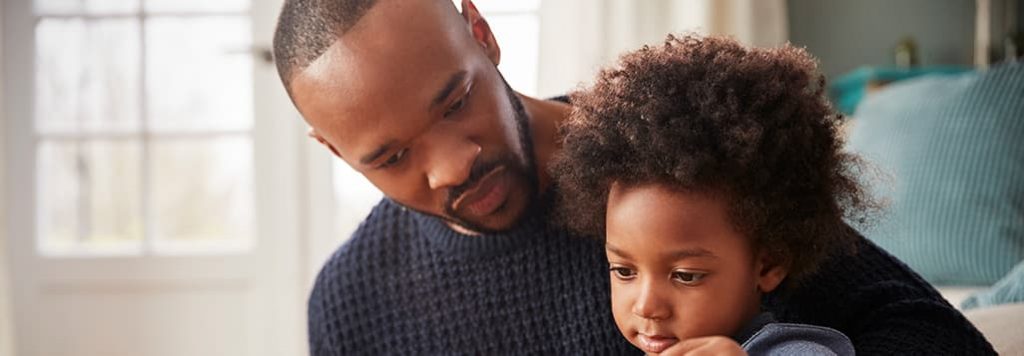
<point x="406" y="284"/>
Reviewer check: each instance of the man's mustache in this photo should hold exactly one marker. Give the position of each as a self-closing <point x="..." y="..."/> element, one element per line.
<point x="479" y="170"/>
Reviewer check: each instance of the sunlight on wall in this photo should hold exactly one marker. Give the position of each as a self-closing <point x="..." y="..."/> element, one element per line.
<point x="6" y="339"/>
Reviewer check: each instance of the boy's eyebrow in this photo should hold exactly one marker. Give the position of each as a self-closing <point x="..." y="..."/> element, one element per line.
<point x="617" y="251"/>
<point x="676" y="255"/>
<point x="692" y="252"/>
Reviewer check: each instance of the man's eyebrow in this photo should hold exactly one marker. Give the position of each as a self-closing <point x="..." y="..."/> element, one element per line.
<point x="450" y="86"/>
<point x="380" y="151"/>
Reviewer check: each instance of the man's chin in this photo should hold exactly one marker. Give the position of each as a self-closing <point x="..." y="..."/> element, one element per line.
<point x="503" y="219"/>
<point x="491" y="226"/>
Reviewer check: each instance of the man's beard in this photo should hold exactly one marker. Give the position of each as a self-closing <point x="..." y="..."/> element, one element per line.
<point x="525" y="169"/>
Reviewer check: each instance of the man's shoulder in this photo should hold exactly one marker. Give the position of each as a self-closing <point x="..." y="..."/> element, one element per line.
<point x="382" y="232"/>
<point x="348" y="282"/>
<point x="881" y="304"/>
<point x="378" y="246"/>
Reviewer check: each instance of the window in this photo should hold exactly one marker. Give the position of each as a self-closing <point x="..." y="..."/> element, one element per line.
<point x="516" y="26"/>
<point x="143" y="116"/>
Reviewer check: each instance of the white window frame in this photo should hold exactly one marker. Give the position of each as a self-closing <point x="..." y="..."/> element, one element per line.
<point x="145" y="137"/>
<point x="281" y="200"/>
<point x="271" y="270"/>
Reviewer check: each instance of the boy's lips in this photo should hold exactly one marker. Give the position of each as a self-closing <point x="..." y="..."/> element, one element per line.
<point x="655" y="343"/>
<point x="489" y="194"/>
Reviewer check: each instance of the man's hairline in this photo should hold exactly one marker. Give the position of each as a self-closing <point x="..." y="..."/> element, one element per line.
<point x="297" y="70"/>
<point x="339" y="34"/>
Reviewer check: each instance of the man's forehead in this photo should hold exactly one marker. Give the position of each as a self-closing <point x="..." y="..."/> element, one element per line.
<point x="377" y="72"/>
<point x="387" y="49"/>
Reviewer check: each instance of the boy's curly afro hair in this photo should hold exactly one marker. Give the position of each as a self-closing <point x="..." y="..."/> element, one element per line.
<point x="709" y="115"/>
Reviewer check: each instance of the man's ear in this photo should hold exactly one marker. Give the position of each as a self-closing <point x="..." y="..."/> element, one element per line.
<point x="770" y="272"/>
<point x="316" y="136"/>
<point x="481" y="31"/>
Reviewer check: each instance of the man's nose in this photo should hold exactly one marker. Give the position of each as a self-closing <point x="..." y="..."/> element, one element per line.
<point x="451" y="162"/>
<point x="649" y="304"/>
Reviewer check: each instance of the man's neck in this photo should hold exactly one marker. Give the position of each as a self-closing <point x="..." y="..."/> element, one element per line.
<point x="545" y="118"/>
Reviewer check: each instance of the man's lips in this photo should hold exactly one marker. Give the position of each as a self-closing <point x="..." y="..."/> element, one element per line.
<point x="486" y="196"/>
<point x="655" y="343"/>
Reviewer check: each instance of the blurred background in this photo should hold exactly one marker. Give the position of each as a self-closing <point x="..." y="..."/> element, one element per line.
<point x="160" y="196"/>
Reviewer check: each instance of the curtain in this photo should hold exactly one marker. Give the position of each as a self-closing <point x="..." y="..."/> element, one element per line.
<point x="580" y="36"/>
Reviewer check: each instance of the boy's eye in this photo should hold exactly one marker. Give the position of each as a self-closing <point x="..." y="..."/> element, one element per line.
<point x="395" y="158"/>
<point x="622" y="273"/>
<point x="687" y="277"/>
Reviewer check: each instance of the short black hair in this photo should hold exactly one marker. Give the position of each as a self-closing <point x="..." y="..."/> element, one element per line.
<point x="707" y="114"/>
<point x="306" y="28"/>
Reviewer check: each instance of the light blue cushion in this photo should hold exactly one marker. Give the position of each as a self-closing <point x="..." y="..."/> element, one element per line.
<point x="954" y="147"/>
<point x="1008" y="290"/>
<point x="848" y="90"/>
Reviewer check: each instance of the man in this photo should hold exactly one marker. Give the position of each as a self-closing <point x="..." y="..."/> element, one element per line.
<point x="461" y="256"/>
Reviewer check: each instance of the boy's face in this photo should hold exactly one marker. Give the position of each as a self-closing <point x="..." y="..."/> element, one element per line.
<point x="678" y="268"/>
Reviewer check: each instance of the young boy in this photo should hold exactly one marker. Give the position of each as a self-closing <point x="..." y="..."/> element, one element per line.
<point x="715" y="174"/>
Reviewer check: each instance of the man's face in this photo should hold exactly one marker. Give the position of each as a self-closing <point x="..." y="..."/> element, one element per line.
<point x="411" y="98"/>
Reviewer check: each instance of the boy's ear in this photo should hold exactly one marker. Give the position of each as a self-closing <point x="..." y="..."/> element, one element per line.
<point x="770" y="272"/>
<point x="481" y="31"/>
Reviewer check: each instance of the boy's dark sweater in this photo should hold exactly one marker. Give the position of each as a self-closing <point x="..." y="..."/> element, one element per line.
<point x="407" y="284"/>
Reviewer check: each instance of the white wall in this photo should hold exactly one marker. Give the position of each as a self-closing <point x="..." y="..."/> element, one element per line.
<point x="6" y="340"/>
<point x="847" y="34"/>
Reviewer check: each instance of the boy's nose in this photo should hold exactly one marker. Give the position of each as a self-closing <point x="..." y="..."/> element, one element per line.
<point x="649" y="304"/>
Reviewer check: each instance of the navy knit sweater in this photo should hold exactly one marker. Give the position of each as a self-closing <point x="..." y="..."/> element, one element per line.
<point x="406" y="284"/>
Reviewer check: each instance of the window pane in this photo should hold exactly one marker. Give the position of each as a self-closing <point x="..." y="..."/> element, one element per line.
<point x="199" y="73"/>
<point x="58" y="189"/>
<point x="202" y="191"/>
<point x="156" y="6"/>
<point x="86" y="6"/>
<point x="354" y="197"/>
<point x="89" y="195"/>
<point x="87" y="75"/>
<point x="58" y="6"/>
<point x="519" y="38"/>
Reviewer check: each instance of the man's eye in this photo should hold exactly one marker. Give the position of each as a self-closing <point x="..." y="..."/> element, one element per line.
<point x="688" y="278"/>
<point x="456" y="106"/>
<point x="622" y="273"/>
<point x="395" y="158"/>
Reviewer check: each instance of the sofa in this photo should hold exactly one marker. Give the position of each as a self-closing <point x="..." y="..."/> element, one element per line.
<point x="946" y="152"/>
